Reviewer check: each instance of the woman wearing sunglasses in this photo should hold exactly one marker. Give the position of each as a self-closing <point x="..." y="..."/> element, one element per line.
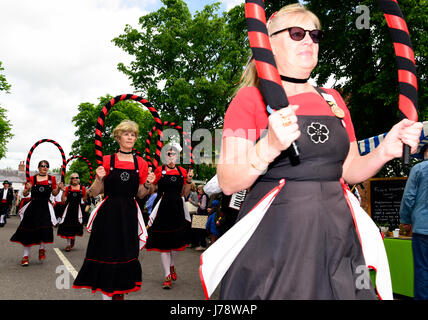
<point x="37" y="216"/>
<point x="117" y="229"/>
<point x="168" y="228"/>
<point x="71" y="222"/>
<point x="306" y="245"/>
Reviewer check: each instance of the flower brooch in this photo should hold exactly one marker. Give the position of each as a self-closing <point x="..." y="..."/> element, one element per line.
<point x="318" y="132"/>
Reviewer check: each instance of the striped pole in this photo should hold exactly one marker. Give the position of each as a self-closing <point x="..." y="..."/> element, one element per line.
<point x="103" y="114"/>
<point x="270" y="81"/>
<point x="87" y="162"/>
<point x="27" y="164"/>
<point x="405" y="59"/>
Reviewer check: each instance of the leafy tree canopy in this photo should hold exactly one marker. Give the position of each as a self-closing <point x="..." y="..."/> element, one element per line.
<point x="187" y="66"/>
<point x="5" y="125"/>
<point x="85" y="122"/>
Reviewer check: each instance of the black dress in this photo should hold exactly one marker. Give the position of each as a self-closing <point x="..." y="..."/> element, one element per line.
<point x="71" y="225"/>
<point x="306" y="246"/>
<point x="111" y="264"/>
<point x="38" y="217"/>
<point x="168" y="230"/>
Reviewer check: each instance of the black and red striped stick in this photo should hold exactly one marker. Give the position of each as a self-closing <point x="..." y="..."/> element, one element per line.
<point x="27" y="164"/>
<point x="103" y="114"/>
<point x="87" y="162"/>
<point x="405" y="58"/>
<point x="270" y="81"/>
<point x="186" y="139"/>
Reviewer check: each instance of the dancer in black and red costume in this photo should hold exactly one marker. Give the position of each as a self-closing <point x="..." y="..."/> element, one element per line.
<point x="37" y="216"/>
<point x="168" y="222"/>
<point x="111" y="265"/>
<point x="71" y="222"/>
<point x="306" y="245"/>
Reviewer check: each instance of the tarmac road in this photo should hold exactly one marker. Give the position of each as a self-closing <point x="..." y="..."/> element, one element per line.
<point x="52" y="280"/>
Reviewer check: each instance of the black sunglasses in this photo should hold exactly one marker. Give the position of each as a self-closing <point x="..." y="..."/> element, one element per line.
<point x="171" y="154"/>
<point x="44" y="166"/>
<point x="297" y="34"/>
<point x="72" y="178"/>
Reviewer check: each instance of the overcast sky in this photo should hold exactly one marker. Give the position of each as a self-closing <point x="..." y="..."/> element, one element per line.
<point x="58" y="54"/>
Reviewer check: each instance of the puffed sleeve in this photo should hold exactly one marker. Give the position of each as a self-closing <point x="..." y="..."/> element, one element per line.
<point x="143" y="168"/>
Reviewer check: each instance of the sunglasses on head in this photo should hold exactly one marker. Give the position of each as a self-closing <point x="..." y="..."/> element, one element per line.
<point x="297" y="34"/>
<point x="44" y="166"/>
<point x="171" y="154"/>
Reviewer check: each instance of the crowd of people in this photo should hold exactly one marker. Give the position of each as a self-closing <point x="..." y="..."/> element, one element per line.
<point x="306" y="246"/>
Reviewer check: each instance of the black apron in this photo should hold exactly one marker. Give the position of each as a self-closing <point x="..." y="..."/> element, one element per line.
<point x="169" y="229"/>
<point x="306" y="246"/>
<point x="71" y="227"/>
<point x="111" y="264"/>
<point x="36" y="226"/>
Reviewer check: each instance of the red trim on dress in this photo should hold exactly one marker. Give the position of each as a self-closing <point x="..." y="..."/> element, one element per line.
<point x="345" y="187"/>
<point x="110" y="294"/>
<point x="70" y="237"/>
<point x="374" y="285"/>
<point x="32" y="244"/>
<point x="96" y="213"/>
<point x="201" y="276"/>
<point x="168" y="250"/>
<point x="277" y="189"/>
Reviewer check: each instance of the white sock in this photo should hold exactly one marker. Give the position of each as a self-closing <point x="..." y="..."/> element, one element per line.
<point x="166" y="262"/>
<point x="42" y="245"/>
<point x="106" y="297"/>
<point x="26" y="252"/>
<point x="68" y="242"/>
<point x="173" y="257"/>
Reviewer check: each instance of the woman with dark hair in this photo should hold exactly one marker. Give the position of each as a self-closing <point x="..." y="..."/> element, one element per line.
<point x="37" y="216"/>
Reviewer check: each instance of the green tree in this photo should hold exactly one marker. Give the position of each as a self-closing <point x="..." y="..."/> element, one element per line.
<point x="362" y="61"/>
<point x="85" y="122"/>
<point x="187" y="66"/>
<point x="5" y="125"/>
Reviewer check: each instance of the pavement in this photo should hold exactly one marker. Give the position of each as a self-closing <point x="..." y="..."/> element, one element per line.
<point x="53" y="278"/>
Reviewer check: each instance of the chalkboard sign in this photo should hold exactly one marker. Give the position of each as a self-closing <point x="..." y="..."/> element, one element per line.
<point x="385" y="196"/>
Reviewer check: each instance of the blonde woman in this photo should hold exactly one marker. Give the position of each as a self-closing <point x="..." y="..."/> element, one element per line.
<point x="306" y="246"/>
<point x="111" y="265"/>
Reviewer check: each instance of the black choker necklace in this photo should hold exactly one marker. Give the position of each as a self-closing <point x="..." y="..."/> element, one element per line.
<point x="124" y="152"/>
<point x="288" y="79"/>
<point x="170" y="167"/>
<point x="42" y="176"/>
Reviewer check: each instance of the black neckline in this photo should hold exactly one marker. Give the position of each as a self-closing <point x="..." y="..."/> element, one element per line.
<point x="124" y="152"/>
<point x="294" y="80"/>
<point x="172" y="167"/>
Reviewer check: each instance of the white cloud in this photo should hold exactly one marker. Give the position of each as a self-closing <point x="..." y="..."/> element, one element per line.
<point x="232" y="3"/>
<point x="56" y="55"/>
